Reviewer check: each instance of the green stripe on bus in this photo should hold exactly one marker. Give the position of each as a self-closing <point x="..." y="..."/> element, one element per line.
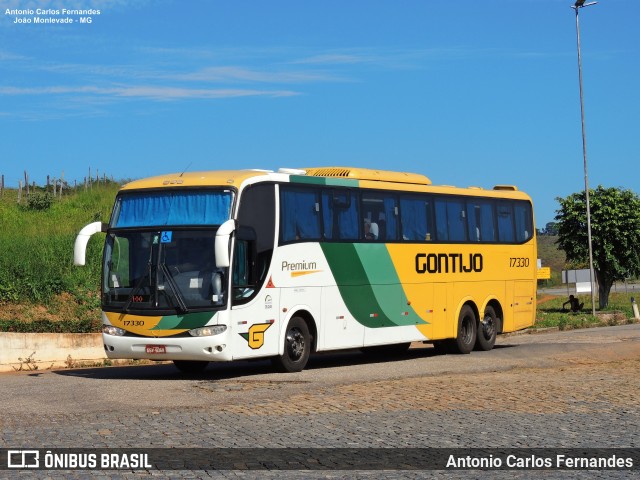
<point x="337" y="182"/>
<point x="182" y="322"/>
<point x="385" y="283"/>
<point x="373" y="296"/>
<point x="354" y="285"/>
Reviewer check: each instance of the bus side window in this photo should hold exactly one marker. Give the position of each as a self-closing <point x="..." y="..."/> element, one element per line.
<point x="415" y="219"/>
<point x="340" y="215"/>
<point x="381" y="210"/>
<point x="441" y="220"/>
<point x="254" y="240"/>
<point x="480" y="221"/>
<point x="505" y="222"/>
<point x="258" y="212"/>
<point x="241" y="278"/>
<point x="300" y="214"/>
<point x="523" y="220"/>
<point x="456" y="220"/>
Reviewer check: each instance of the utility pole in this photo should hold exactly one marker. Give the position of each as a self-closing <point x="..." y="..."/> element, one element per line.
<point x="577" y="6"/>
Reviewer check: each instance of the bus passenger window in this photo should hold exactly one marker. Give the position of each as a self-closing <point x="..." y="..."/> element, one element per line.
<point x="380" y="211"/>
<point x="505" y="222"/>
<point x="300" y="216"/>
<point x="456" y="220"/>
<point x="524" y="222"/>
<point x="340" y="215"/>
<point x="415" y="219"/>
<point x="441" y="220"/>
<point x="480" y="221"/>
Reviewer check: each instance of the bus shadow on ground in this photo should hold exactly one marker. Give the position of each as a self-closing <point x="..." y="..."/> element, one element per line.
<point x="251" y="368"/>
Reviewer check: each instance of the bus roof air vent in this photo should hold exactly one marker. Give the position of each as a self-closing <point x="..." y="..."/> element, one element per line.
<point x="511" y="188"/>
<point x="369" y="174"/>
<point x="292" y="171"/>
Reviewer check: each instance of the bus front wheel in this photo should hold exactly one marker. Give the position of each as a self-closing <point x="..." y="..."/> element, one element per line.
<point x="297" y="347"/>
<point x="487" y="330"/>
<point x="467" y="330"/>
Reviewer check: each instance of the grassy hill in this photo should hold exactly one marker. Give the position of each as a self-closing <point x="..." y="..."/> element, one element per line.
<point x="551" y="256"/>
<point x="37" y="278"/>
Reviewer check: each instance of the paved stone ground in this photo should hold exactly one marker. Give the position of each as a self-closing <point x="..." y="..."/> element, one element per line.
<point x="564" y="389"/>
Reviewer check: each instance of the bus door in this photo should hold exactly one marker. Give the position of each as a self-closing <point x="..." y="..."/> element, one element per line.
<point x="254" y="311"/>
<point x="523" y="306"/>
<point x="519" y="295"/>
<point x="255" y="303"/>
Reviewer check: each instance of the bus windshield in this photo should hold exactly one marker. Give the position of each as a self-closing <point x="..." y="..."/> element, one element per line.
<point x="163" y="270"/>
<point x="173" y="207"/>
<point x="159" y="252"/>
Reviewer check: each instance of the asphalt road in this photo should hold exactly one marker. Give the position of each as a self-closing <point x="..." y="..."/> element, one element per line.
<point x="577" y="389"/>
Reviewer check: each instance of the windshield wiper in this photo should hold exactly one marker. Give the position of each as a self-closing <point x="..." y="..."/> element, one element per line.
<point x="135" y="289"/>
<point x="175" y="290"/>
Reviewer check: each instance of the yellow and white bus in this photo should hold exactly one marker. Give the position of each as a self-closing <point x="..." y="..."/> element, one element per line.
<point x="229" y="265"/>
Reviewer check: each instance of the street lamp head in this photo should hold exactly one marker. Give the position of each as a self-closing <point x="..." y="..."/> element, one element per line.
<point x="580" y="4"/>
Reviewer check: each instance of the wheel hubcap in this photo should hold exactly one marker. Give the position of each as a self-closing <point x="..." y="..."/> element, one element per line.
<point x="467" y="330"/>
<point x="295" y="343"/>
<point x="488" y="327"/>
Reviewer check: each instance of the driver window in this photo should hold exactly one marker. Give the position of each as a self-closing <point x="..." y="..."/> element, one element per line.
<point x="242" y="287"/>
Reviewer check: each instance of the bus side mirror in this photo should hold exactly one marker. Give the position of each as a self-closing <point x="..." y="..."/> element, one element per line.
<point x="80" y="246"/>
<point x="223" y="236"/>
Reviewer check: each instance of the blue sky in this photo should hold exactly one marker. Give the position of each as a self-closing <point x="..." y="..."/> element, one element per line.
<point x="465" y="92"/>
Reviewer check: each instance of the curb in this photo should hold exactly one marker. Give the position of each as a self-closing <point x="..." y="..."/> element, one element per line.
<point x="33" y="351"/>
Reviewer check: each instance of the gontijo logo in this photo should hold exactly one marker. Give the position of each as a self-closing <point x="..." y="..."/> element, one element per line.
<point x="300" y="268"/>
<point x="255" y="335"/>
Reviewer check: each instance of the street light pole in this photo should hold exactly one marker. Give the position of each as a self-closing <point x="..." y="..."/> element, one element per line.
<point x="578" y="5"/>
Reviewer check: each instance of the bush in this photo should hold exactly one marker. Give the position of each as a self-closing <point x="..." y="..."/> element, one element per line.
<point x="40" y="201"/>
<point x="8" y="293"/>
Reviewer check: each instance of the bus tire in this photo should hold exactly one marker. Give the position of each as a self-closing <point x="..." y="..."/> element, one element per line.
<point x="297" y="347"/>
<point x="190" y="366"/>
<point x="487" y="330"/>
<point x="467" y="328"/>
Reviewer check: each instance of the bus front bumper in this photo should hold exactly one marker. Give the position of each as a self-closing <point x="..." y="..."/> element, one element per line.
<point x="215" y="348"/>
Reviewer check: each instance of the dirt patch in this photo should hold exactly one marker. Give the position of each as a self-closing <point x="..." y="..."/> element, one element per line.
<point x="613" y="318"/>
<point x="545" y="299"/>
<point x="61" y="307"/>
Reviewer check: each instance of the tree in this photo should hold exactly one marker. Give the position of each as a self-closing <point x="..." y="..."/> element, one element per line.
<point x="551" y="228"/>
<point x="615" y="232"/>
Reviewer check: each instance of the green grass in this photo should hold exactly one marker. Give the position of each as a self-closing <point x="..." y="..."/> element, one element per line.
<point x="619" y="311"/>
<point x="36" y="246"/>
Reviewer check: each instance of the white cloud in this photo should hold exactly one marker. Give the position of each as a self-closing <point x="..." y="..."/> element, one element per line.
<point x="148" y="92"/>
<point x="235" y="73"/>
<point x="335" y="58"/>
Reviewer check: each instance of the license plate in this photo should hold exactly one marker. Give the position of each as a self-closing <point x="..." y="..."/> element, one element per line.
<point x="156" y="349"/>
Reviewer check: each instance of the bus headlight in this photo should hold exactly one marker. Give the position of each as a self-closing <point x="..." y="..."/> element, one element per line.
<point x="111" y="330"/>
<point x="208" y="331"/>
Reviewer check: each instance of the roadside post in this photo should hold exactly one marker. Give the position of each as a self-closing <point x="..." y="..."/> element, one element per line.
<point x="634" y="306"/>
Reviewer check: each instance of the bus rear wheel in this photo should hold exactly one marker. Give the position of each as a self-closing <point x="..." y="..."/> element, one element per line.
<point x="467" y="330"/>
<point x="190" y="366"/>
<point x="487" y="330"/>
<point x="297" y="347"/>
